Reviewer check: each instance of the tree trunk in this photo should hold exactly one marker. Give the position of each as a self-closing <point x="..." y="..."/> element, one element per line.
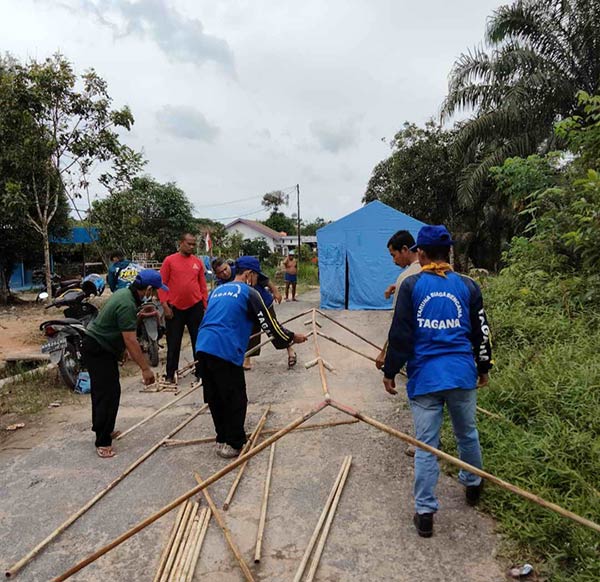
<point x="4" y="290"/>
<point x="48" y="271"/>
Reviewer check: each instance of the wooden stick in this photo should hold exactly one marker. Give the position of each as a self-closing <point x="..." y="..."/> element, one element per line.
<point x="319" y="359"/>
<point x="173" y="572"/>
<point x="175" y="547"/>
<point x="317" y="556"/>
<point x="226" y="532"/>
<point x="165" y="553"/>
<point x="179" y="500"/>
<point x="349" y="330"/>
<point x="28" y="557"/>
<point x="333" y="340"/>
<point x="263" y="509"/>
<point x="157" y="412"/>
<point x="201" y="441"/>
<point x="249" y="444"/>
<point x="193" y="539"/>
<point x="192" y="364"/>
<point x="309" y="322"/>
<point x="321" y="520"/>
<point x="461" y="464"/>
<point x="198" y="546"/>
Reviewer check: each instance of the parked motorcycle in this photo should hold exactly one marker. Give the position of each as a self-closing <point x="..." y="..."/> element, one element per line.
<point x="65" y="336"/>
<point x="150" y="329"/>
<point x="92" y="284"/>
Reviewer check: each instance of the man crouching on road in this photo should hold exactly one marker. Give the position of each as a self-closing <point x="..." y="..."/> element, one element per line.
<point x="107" y="338"/>
<point x="222" y="340"/>
<point x="440" y="330"/>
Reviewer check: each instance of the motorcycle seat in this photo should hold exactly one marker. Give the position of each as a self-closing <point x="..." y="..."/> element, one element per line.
<point x="69" y="282"/>
<point x="65" y="321"/>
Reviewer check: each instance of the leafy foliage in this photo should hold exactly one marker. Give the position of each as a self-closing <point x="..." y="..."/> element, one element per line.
<point x="257" y="247"/>
<point x="541" y="53"/>
<point x="279" y="222"/>
<point x="147" y="217"/>
<point x="273" y="200"/>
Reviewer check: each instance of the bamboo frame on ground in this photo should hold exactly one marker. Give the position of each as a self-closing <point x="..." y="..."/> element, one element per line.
<point x="263" y="509"/>
<point x="12" y="570"/>
<point x="179" y="500"/>
<point x="167" y="549"/>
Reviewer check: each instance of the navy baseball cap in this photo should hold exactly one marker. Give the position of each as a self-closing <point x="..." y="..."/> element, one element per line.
<point x="246" y="263"/>
<point x="150" y="278"/>
<point x="433" y="236"/>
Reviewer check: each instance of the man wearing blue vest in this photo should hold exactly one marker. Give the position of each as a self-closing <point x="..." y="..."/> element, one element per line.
<point x="232" y="310"/>
<point x="441" y="332"/>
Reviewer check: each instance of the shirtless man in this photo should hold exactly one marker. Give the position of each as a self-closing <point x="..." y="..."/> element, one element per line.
<point x="291" y="275"/>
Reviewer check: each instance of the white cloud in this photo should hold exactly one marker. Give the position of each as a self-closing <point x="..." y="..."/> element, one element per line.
<point x="186" y="122"/>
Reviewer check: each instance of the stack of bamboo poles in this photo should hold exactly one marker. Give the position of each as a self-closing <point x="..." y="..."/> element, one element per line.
<point x="323" y="525"/>
<point x="182" y="550"/>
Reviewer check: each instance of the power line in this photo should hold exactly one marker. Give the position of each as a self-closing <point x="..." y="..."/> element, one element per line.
<point x="284" y="190"/>
<point x="240" y="215"/>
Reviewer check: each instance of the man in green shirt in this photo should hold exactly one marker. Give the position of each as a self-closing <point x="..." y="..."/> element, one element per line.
<point x="107" y="338"/>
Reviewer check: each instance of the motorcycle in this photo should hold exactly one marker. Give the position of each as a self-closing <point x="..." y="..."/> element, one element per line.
<point x="65" y="336"/>
<point x="150" y="329"/>
<point x="92" y="284"/>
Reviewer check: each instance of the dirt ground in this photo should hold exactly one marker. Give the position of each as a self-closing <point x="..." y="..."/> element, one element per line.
<point x="48" y="470"/>
<point x="20" y="328"/>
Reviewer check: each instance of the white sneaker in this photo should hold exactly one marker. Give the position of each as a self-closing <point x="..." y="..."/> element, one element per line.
<point x="228" y="452"/>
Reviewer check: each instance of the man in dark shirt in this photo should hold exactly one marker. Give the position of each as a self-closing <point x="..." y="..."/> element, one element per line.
<point x="107" y="338"/>
<point x="233" y="308"/>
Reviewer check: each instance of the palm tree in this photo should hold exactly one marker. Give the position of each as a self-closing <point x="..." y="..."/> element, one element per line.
<point x="541" y="53"/>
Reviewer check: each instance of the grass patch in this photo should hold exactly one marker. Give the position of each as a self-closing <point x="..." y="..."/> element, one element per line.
<point x="308" y="277"/>
<point x="547" y="383"/>
<point x="33" y="393"/>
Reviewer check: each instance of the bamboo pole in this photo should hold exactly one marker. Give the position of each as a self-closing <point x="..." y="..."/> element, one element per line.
<point x="171" y="574"/>
<point x="204" y="440"/>
<point x="319" y="551"/>
<point x="175" y="547"/>
<point x="165" y="553"/>
<point x="319" y="358"/>
<point x="157" y="412"/>
<point x="333" y="340"/>
<point x="173" y="504"/>
<point x="249" y="444"/>
<point x="462" y="465"/>
<point x="12" y="570"/>
<point x="193" y="539"/>
<point x="320" y="521"/>
<point x="348" y="329"/>
<point x="189" y="574"/>
<point x="263" y="509"/>
<point x="226" y="532"/>
<point x="192" y="364"/>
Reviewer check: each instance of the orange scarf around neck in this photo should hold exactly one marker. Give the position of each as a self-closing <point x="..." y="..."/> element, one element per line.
<point x="437" y="268"/>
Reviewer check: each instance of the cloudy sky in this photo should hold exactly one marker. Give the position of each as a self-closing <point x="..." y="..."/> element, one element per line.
<point x="235" y="98"/>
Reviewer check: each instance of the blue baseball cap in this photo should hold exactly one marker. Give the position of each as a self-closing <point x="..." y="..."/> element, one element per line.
<point x="150" y="278"/>
<point x="246" y="263"/>
<point x="433" y="236"/>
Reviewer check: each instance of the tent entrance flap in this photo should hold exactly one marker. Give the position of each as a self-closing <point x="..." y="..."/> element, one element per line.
<point x="332" y="275"/>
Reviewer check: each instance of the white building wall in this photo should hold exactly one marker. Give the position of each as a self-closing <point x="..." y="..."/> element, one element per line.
<point x="249" y="233"/>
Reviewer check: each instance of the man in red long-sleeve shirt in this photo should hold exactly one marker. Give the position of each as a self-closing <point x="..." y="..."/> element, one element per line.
<point x="185" y="302"/>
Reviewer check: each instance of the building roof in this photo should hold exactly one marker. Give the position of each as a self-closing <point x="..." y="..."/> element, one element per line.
<point x="268" y="232"/>
<point x="78" y="235"/>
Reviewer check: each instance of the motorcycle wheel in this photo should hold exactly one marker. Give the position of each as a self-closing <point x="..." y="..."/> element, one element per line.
<point x="69" y="366"/>
<point x="153" y="353"/>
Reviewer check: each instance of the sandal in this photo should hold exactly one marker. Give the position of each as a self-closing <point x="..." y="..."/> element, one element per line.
<point x="292" y="360"/>
<point x="105" y="452"/>
<point x="115" y="434"/>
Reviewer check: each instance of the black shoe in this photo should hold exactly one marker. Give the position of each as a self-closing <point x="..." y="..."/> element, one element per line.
<point x="473" y="493"/>
<point x="424" y="524"/>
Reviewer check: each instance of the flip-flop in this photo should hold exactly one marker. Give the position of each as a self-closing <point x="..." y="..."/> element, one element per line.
<point x="292" y="360"/>
<point x="105" y="452"/>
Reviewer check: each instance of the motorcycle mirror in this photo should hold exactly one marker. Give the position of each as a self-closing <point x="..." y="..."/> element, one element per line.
<point x="43" y="296"/>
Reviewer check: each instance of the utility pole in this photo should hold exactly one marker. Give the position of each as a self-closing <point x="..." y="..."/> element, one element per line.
<point x="298" y="196"/>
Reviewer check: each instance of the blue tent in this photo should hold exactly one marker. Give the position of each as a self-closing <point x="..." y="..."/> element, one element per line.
<point x="355" y="266"/>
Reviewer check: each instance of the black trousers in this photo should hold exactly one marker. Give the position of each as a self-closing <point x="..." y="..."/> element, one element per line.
<point x="182" y="318"/>
<point x="224" y="387"/>
<point x="103" y="368"/>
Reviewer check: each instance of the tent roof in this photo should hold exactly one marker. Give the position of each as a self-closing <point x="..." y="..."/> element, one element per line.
<point x="78" y="235"/>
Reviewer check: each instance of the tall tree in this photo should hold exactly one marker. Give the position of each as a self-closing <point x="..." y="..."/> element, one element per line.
<point x="72" y="140"/>
<point x="148" y="217"/>
<point x="273" y="200"/>
<point x="541" y="52"/>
